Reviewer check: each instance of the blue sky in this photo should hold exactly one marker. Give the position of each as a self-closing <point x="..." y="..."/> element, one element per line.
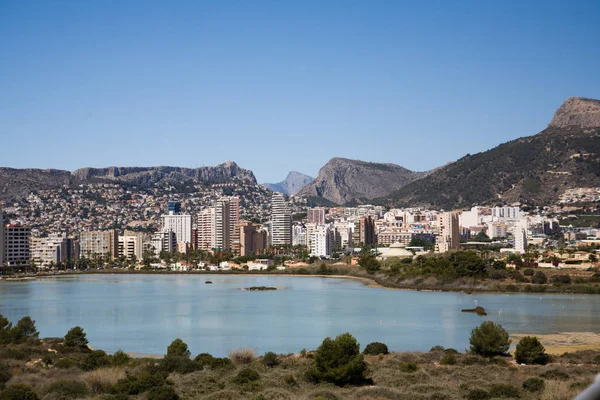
<point x="284" y="85"/>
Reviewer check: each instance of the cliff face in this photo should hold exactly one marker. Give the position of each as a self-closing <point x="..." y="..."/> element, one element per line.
<point x="292" y="184"/>
<point x="535" y="169"/>
<point x="18" y="183"/>
<point x="342" y="180"/>
<point x="577" y="111"/>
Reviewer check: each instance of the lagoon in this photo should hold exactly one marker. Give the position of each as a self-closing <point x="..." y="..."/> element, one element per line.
<point x="144" y="313"/>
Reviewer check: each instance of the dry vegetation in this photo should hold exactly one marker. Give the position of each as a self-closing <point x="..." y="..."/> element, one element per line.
<point x="468" y="378"/>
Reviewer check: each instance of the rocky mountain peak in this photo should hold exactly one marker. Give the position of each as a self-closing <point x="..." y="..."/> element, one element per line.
<point x="577" y="111"/>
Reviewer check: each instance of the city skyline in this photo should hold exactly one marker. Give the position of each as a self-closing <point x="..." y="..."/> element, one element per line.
<point x="170" y="83"/>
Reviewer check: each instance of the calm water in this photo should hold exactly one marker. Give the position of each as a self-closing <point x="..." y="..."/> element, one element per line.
<point x="144" y="313"/>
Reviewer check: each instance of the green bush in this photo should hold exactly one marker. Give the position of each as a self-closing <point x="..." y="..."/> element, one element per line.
<point x="119" y="358"/>
<point x="270" y="359"/>
<point x="563" y="279"/>
<point x="528" y="272"/>
<point x="64" y="363"/>
<point x="376" y="348"/>
<point x="533" y="385"/>
<point x="180" y="364"/>
<point x="96" y="359"/>
<point x="5" y="375"/>
<point x="504" y="391"/>
<point x="339" y="361"/>
<point x="539" y="278"/>
<point x="596" y="360"/>
<point x="489" y="339"/>
<point x="448" y="359"/>
<point x="530" y="351"/>
<point x="478" y="394"/>
<point x="18" y="391"/>
<point x="246" y="375"/>
<point x="206" y="360"/>
<point x="68" y="389"/>
<point x="408" y="367"/>
<point x="162" y="393"/>
<point x="76" y="337"/>
<point x="178" y="348"/>
<point x="135" y="384"/>
<point x="555" y="374"/>
<point x="437" y="348"/>
<point x="24" y="330"/>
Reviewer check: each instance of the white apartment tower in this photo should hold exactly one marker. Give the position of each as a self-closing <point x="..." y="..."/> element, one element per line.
<point x="448" y="236"/>
<point x="206" y="229"/>
<point x="520" y="234"/>
<point x="281" y="219"/>
<point x="180" y="224"/>
<point x="321" y="241"/>
<point x="1" y="238"/>
<point x="222" y="224"/>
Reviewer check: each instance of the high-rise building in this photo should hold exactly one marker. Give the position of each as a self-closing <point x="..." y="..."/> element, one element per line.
<point x="222" y="224"/>
<point x="281" y="221"/>
<point x="164" y="241"/>
<point x="16" y="245"/>
<point x="234" y="220"/>
<point x="2" y="228"/>
<point x="252" y="240"/>
<point x="520" y="234"/>
<point x="448" y="234"/>
<point x="131" y="246"/>
<point x="99" y="244"/>
<point x="180" y="224"/>
<point x="205" y="225"/>
<point x="364" y="231"/>
<point x="321" y="241"/>
<point x="316" y="216"/>
<point x="298" y="235"/>
<point x="54" y="249"/>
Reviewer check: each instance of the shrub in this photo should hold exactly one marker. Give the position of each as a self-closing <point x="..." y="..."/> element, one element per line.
<point x="504" y="391"/>
<point x="498" y="275"/>
<point x="530" y="351"/>
<point x="162" y="393"/>
<point x="76" y="337"/>
<point x="246" y="375"/>
<point x="270" y="359"/>
<point x="596" y="360"/>
<point x="338" y="361"/>
<point x="94" y="360"/>
<point x="206" y="360"/>
<point x="68" y="389"/>
<point x="24" y="330"/>
<point x="5" y="375"/>
<point x="18" y="391"/>
<point x="478" y="394"/>
<point x="290" y="380"/>
<point x="180" y="364"/>
<point x="408" y="367"/>
<point x="555" y="374"/>
<point x="64" y="363"/>
<point x="564" y="279"/>
<point x="528" y="272"/>
<point x="140" y="383"/>
<point x="242" y="356"/>
<point x="178" y="348"/>
<point x="533" y="385"/>
<point x="539" y="278"/>
<point x="102" y="380"/>
<point x="376" y="348"/>
<point x="437" y="348"/>
<point x="119" y="358"/>
<point x="448" y="359"/>
<point x="489" y="339"/>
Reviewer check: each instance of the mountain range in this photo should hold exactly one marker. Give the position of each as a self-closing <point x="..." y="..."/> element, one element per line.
<point x="292" y="184"/>
<point x="531" y="170"/>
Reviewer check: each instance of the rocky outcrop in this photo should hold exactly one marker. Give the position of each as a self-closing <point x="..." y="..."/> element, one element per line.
<point x="342" y="180"/>
<point x="292" y="184"/>
<point x="18" y="183"/>
<point x="577" y="111"/>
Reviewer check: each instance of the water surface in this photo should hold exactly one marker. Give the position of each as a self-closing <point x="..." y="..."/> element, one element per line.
<point x="144" y="313"/>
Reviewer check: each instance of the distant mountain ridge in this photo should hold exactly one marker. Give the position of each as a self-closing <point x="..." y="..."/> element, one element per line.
<point x="18" y="183"/>
<point x="532" y="170"/>
<point x="343" y="180"/>
<point x="292" y="184"/>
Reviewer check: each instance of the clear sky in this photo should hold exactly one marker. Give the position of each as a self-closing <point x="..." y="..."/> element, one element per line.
<point x="284" y="85"/>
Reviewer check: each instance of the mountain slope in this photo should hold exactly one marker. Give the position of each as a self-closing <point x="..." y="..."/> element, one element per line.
<point x="534" y="169"/>
<point x="342" y="180"/>
<point x="18" y="183"/>
<point x="292" y="184"/>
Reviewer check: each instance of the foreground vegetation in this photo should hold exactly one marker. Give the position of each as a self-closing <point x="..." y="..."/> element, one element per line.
<point x="67" y="368"/>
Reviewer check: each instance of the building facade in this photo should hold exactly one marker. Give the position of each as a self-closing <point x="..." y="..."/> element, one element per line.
<point x="281" y="221"/>
<point x="99" y="244"/>
<point x="16" y="245"/>
<point x="180" y="224"/>
<point x="448" y="233"/>
<point x="316" y="216"/>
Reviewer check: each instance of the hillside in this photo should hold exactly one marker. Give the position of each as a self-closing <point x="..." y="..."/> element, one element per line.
<point x="533" y="170"/>
<point x="18" y="183"/>
<point x="342" y="180"/>
<point x="292" y="184"/>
